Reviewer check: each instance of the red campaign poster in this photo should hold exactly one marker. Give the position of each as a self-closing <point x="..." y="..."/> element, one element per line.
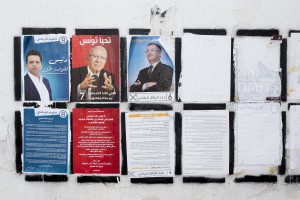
<point x="95" y="74"/>
<point x="96" y="140"/>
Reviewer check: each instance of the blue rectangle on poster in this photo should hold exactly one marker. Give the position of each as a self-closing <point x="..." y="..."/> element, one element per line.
<point x="46" y="140"/>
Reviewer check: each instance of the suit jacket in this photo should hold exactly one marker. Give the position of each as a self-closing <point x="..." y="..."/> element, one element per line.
<point x="31" y="93"/>
<point x="79" y="74"/>
<point x="162" y="74"/>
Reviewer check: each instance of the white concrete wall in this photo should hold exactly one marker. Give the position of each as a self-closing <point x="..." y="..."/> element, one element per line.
<point x="228" y="14"/>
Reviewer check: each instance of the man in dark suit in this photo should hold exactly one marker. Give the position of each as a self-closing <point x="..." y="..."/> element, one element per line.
<point x="92" y="82"/>
<point x="157" y="77"/>
<point x="37" y="88"/>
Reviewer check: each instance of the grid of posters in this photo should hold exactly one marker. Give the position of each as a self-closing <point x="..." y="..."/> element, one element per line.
<point x="96" y="141"/>
<point x="150" y="144"/>
<point x="46" y="140"/>
<point x="45" y="64"/>
<point x="150" y="68"/>
<point x="95" y="68"/>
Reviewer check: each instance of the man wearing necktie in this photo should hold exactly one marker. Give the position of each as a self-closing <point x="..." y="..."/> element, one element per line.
<point x="155" y="78"/>
<point x="92" y="82"/>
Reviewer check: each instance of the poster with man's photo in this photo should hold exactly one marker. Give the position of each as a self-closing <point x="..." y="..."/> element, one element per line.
<point x="45" y="68"/>
<point x="150" y="68"/>
<point x="95" y="74"/>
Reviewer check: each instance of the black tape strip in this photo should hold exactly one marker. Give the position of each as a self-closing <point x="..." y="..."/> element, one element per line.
<point x="71" y="144"/>
<point x="108" y="105"/>
<point x="257" y="32"/>
<point x="124" y="170"/>
<point x="231" y="143"/>
<point x="139" y="31"/>
<point x="56" y="178"/>
<point x="156" y="180"/>
<point x="98" y="179"/>
<point x="257" y="179"/>
<point x="17" y="68"/>
<point x="232" y="79"/>
<point x="206" y="31"/>
<point x="282" y="166"/>
<point x="97" y="31"/>
<point x="40" y="31"/>
<point x="194" y="106"/>
<point x="178" y="139"/>
<point x="283" y="66"/>
<point x="202" y="180"/>
<point x="31" y="104"/>
<point x="18" y="141"/>
<point x="123" y="69"/>
<point x="293" y="31"/>
<point x="292" y="179"/>
<point x="59" y="105"/>
<point x="146" y="106"/>
<point x="293" y="104"/>
<point x="34" y="178"/>
<point x="178" y="67"/>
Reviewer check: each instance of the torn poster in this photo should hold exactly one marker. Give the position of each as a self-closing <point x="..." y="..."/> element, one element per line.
<point x="206" y="64"/>
<point x="205" y="142"/>
<point x="150" y="144"/>
<point x="258" y="135"/>
<point x="294" y="139"/>
<point x="294" y="67"/>
<point x="46" y="140"/>
<point x="257" y="69"/>
<point x="45" y="68"/>
<point x="95" y="68"/>
<point x="96" y="141"/>
<point x="150" y="68"/>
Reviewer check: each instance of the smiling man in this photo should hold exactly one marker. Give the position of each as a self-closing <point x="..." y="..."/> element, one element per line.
<point x="37" y="88"/>
<point x="92" y="82"/>
<point x="156" y="77"/>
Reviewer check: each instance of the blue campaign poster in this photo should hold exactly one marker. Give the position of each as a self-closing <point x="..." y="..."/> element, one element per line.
<point x="45" y="140"/>
<point x="54" y="68"/>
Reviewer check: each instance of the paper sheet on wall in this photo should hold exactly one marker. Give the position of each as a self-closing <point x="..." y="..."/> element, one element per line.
<point x="206" y="62"/>
<point x="294" y="143"/>
<point x="294" y="67"/>
<point x="150" y="144"/>
<point x="258" y="134"/>
<point x="257" y="67"/>
<point x="46" y="140"/>
<point x="205" y="142"/>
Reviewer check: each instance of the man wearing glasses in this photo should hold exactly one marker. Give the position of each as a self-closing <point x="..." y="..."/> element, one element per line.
<point x="157" y="77"/>
<point x="92" y="82"/>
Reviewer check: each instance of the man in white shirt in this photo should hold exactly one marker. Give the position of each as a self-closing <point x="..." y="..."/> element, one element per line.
<point x="37" y="88"/>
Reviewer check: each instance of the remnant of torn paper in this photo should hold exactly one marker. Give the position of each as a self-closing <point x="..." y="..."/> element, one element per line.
<point x="257" y="68"/>
<point x="206" y="62"/>
<point x="150" y="144"/>
<point x="205" y="142"/>
<point x="294" y="67"/>
<point x="258" y="135"/>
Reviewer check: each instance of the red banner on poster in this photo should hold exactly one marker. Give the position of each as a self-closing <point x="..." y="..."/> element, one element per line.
<point x="96" y="140"/>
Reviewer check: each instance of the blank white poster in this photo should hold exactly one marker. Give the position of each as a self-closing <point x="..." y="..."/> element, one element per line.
<point x="205" y="142"/>
<point x="206" y="62"/>
<point x="294" y="66"/>
<point x="258" y="134"/>
<point x="294" y="144"/>
<point x="257" y="67"/>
